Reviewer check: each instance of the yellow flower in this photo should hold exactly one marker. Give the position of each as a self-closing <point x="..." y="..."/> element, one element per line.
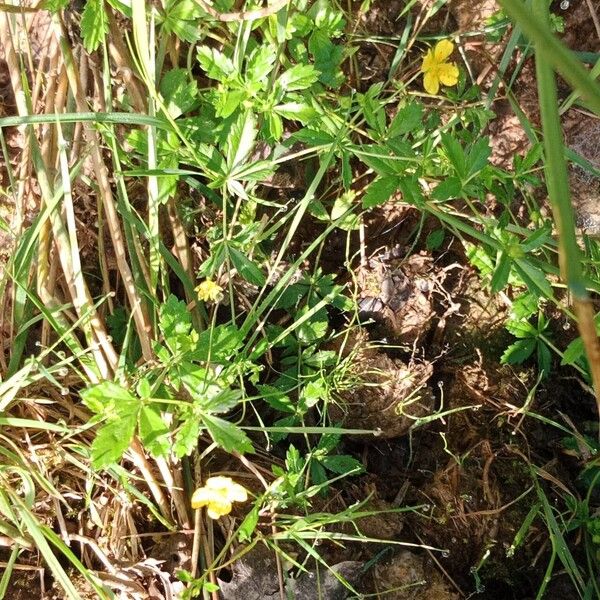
<point x="209" y="291"/>
<point x="218" y="494"/>
<point x="436" y="69"/>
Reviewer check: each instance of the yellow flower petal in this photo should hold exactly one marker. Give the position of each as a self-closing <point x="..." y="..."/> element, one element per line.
<point x="431" y="82"/>
<point x="216" y="510"/>
<point x="448" y="74"/>
<point x="443" y="49"/>
<point x="209" y="291"/>
<point x="428" y="62"/>
<point x="201" y="497"/>
<point x="217" y="495"/>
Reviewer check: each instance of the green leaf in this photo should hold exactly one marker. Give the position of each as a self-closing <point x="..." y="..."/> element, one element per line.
<point x="107" y="395"/>
<point x="112" y="440"/>
<point x="181" y="18"/>
<point x="241" y="139"/>
<point x="227" y="435"/>
<point x="254" y="171"/>
<point x="408" y="119"/>
<point x="313" y="392"/>
<point x="478" y="156"/>
<point x="296" y="111"/>
<point x="229" y="101"/>
<point x="246" y="268"/>
<point x="215" y="64"/>
<point x="299" y="77"/>
<point x="342" y="464"/>
<point x="223" y="402"/>
<point x="519" y="351"/>
<point x="533" y="278"/>
<point x="94" y="24"/>
<point x="248" y="526"/>
<point x="218" y="344"/>
<point x="455" y="153"/>
<point x="379" y="158"/>
<point x="380" y="191"/>
<point x="260" y="64"/>
<point x="448" y="189"/>
<point x="341" y="206"/>
<point x="175" y="323"/>
<point x="153" y="431"/>
<point x="573" y="352"/>
<point x="501" y="273"/>
<point x="179" y="92"/>
<point x="186" y="438"/>
<point x="328" y="57"/>
<point x="314" y="328"/>
<point x="435" y="239"/>
<point x="544" y="358"/>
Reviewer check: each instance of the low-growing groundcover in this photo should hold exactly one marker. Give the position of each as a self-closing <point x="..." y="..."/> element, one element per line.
<point x="295" y="300"/>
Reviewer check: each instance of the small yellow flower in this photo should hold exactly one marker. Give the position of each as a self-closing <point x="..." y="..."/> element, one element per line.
<point x="437" y="69"/>
<point x="218" y="494"/>
<point x="209" y="291"/>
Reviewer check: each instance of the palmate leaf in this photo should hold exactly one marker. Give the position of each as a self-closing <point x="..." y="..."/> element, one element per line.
<point x="519" y="351"/>
<point x="299" y="77"/>
<point x="94" y="24"/>
<point x="112" y="440"/>
<point x="227" y="435"/>
<point x="215" y="64"/>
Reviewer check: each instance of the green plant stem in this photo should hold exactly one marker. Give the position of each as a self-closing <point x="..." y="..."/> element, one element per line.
<point x="557" y="181"/>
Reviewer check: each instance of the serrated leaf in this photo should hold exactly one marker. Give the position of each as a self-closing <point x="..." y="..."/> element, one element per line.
<point x="380" y="191"/>
<point x="407" y="119"/>
<point x="227" y="435"/>
<point x="223" y="401"/>
<point x="186" y="439"/>
<point x="573" y="352"/>
<point x="342" y="212"/>
<point x="478" y="156"/>
<point x="181" y="19"/>
<point x="254" y="171"/>
<point x="260" y="64"/>
<point x="106" y="394"/>
<point x="175" y="323"/>
<point x="313" y="392"/>
<point x="218" y="344"/>
<point x="455" y="154"/>
<point x="154" y="434"/>
<point x="314" y="328"/>
<point x="544" y="358"/>
<point x="518" y="352"/>
<point x="112" y="440"/>
<point x="435" y="239"/>
<point x="215" y="64"/>
<point x="247" y="268"/>
<point x="296" y="111"/>
<point x="248" y="526"/>
<point x="501" y="273"/>
<point x="534" y="279"/>
<point x="299" y="77"/>
<point x="179" y="92"/>
<point x="448" y="189"/>
<point x="94" y="24"/>
<point x="241" y="139"/>
<point x="342" y="464"/>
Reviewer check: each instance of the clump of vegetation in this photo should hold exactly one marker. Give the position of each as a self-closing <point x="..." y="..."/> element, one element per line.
<point x="227" y="230"/>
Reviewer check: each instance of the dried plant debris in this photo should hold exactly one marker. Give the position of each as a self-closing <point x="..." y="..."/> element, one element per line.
<point x="408" y="576"/>
<point x="386" y="394"/>
<point x="254" y="577"/>
<point x="396" y="293"/>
